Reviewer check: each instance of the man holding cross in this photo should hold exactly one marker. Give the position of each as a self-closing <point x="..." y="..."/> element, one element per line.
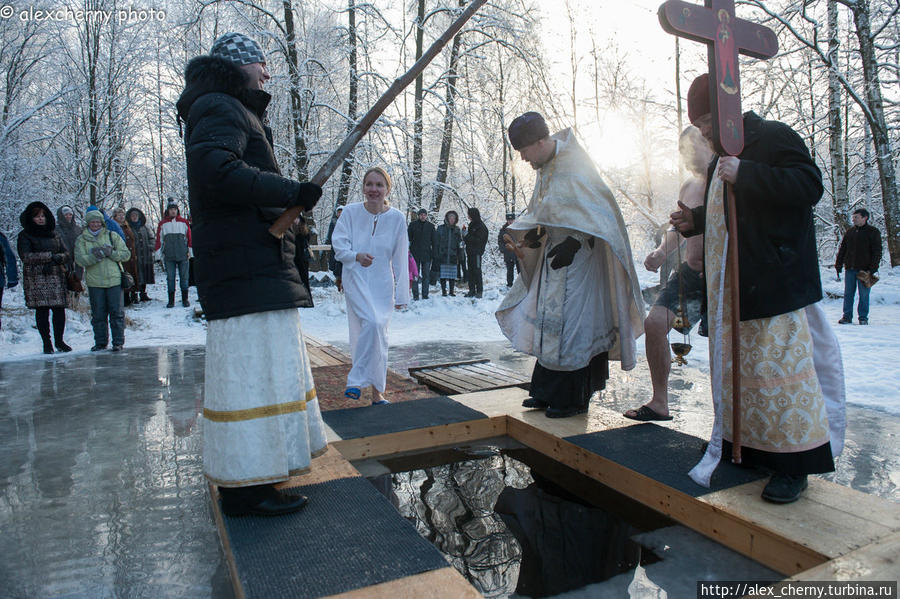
<point x="792" y="387"/>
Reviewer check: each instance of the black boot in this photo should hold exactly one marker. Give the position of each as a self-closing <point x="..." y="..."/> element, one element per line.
<point x="48" y="347"/>
<point x="126" y="300"/>
<point x="59" y="329"/>
<point x="444" y="287"/>
<point x="452" y="283"/>
<point x="184" y="298"/>
<point x="144" y="296"/>
<point x="171" y="303"/>
<point x="259" y="500"/>
<point x="43" y="326"/>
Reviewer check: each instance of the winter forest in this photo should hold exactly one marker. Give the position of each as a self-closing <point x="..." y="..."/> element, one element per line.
<point x="89" y="90"/>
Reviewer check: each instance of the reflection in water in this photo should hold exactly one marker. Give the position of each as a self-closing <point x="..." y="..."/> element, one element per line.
<point x="452" y="506"/>
<point x="508" y="529"/>
<point x="101" y="485"/>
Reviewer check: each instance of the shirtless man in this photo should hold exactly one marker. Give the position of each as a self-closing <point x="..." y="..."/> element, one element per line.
<point x="696" y="154"/>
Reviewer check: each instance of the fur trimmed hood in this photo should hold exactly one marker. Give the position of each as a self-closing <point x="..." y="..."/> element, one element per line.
<point x="212" y="74"/>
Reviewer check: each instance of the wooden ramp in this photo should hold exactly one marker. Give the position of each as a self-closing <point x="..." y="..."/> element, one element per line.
<point x="322" y="354"/>
<point x="831" y="533"/>
<point x="467" y="377"/>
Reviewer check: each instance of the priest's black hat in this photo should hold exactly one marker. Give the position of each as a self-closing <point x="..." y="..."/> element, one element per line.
<point x="527" y="129"/>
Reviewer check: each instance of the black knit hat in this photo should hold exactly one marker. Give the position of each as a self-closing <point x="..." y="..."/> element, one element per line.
<point x="238" y="48"/>
<point x="527" y="129"/>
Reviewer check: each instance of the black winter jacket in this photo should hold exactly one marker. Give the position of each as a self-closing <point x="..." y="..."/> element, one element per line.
<point x="476" y="238"/>
<point x="860" y="249"/>
<point x="777" y="187"/>
<point x="446" y="243"/>
<point x="236" y="192"/>
<point x="421" y="239"/>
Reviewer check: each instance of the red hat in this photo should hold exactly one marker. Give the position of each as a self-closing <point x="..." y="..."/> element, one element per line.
<point x="698" y="98"/>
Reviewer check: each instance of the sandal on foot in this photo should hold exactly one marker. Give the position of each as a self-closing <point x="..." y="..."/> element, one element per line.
<point x="380" y="402"/>
<point x="352" y="393"/>
<point x="645" y="414"/>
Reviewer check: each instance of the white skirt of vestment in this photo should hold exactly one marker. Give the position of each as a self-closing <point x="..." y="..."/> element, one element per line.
<point x="261" y="418"/>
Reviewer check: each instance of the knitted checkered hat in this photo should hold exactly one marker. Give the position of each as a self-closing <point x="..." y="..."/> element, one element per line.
<point x="238" y="48"/>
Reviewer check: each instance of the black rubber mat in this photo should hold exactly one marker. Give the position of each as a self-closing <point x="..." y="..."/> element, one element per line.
<point x="663" y="454"/>
<point x="354" y="423"/>
<point x="347" y="537"/>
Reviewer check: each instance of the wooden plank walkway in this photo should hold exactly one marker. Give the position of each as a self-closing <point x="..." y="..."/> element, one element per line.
<point x="467" y="377"/>
<point x="322" y="354"/>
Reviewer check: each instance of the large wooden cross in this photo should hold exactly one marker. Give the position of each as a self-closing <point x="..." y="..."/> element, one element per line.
<point x="725" y="36"/>
<point x="716" y="25"/>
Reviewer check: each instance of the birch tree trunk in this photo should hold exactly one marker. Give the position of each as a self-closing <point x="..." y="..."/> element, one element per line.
<point x="352" y="102"/>
<point x="301" y="153"/>
<point x="449" y="115"/>
<point x="416" y="200"/>
<point x="840" y="202"/>
<point x="884" y="155"/>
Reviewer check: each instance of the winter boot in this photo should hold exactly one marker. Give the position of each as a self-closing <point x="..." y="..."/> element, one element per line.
<point x="444" y="287"/>
<point x="452" y="283"/>
<point x="171" y="303"/>
<point x="127" y="301"/>
<point x="184" y="298"/>
<point x="144" y="296"/>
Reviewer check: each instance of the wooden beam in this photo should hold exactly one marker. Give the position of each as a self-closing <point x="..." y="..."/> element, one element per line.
<point x="230" y="563"/>
<point x="876" y="561"/>
<point x="446" y="582"/>
<point x="423" y="438"/>
<point x="754" y="540"/>
<point x="428" y="366"/>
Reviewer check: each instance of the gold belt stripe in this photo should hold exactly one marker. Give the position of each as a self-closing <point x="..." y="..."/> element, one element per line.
<point x="260" y="412"/>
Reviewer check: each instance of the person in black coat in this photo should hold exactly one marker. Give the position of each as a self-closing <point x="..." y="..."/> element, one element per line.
<point x="421" y="246"/>
<point x="860" y="251"/>
<point x="476" y="240"/>
<point x="447" y="239"/>
<point x="248" y="284"/>
<point x="44" y="257"/>
<point x="776" y="185"/>
<point x="335" y="265"/>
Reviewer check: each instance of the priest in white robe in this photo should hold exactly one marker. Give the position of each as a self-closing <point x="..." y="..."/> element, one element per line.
<point x="371" y="242"/>
<point x="577" y="303"/>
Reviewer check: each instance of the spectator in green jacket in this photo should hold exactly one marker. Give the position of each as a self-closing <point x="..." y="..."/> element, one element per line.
<point x="100" y="253"/>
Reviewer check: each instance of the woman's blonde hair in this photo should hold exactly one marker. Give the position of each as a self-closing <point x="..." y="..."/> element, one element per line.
<point x="387" y="179"/>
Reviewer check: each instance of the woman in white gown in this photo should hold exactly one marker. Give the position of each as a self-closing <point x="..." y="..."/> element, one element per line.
<point x="370" y="241"/>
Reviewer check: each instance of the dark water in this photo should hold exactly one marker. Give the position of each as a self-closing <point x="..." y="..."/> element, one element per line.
<point x="101" y="486"/>
<point x="515" y="523"/>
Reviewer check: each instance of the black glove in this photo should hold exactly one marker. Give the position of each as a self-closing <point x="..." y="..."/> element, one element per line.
<point x="564" y="253"/>
<point x="107" y="250"/>
<point x="308" y="195"/>
<point x="97" y="252"/>
<point x="533" y="237"/>
<point x="59" y="258"/>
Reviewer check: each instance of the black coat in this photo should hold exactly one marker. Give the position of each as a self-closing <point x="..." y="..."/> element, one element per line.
<point x="476" y="238"/>
<point x="143" y="247"/>
<point x="446" y="244"/>
<point x="509" y="256"/>
<point x="236" y="192"/>
<point x="860" y="249"/>
<point x="421" y="239"/>
<point x="777" y="187"/>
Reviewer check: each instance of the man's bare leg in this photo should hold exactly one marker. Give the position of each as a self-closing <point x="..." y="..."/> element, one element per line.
<point x="659" y="358"/>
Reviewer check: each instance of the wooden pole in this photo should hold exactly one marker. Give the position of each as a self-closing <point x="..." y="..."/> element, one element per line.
<point x="733" y="266"/>
<point x="285" y="221"/>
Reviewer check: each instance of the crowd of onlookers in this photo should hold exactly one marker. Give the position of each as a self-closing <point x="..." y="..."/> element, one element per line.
<point x="109" y="257"/>
<point x="447" y="254"/>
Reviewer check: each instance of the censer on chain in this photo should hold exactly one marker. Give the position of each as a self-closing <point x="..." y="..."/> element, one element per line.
<point x="681" y="321"/>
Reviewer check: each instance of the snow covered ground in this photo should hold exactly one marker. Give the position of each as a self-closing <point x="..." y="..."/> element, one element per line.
<point x="871" y="353"/>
